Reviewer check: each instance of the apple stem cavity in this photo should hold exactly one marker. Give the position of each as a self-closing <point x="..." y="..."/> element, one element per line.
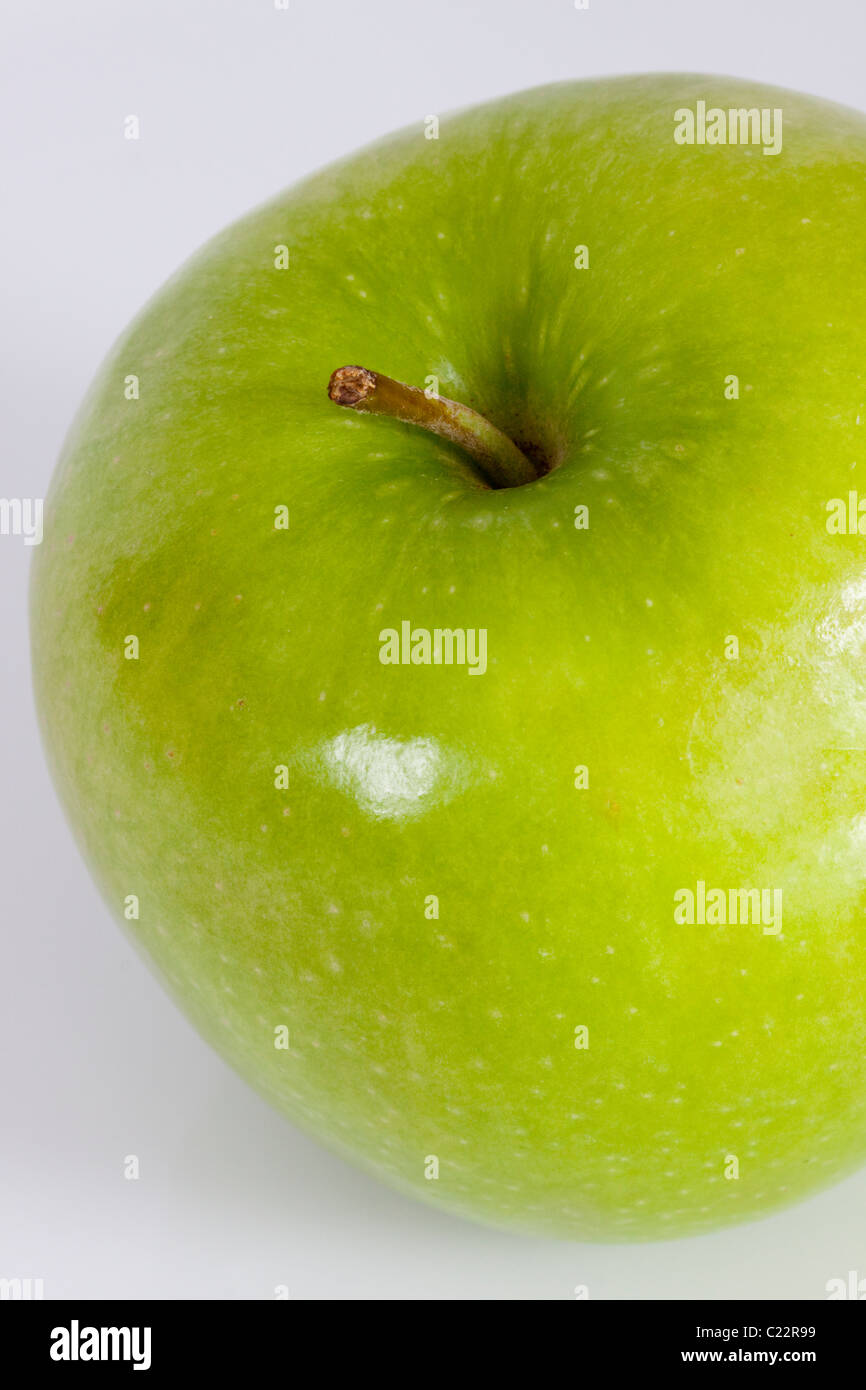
<point x="495" y="456"/>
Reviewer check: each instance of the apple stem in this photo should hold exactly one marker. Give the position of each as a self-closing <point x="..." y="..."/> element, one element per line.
<point x="496" y="457"/>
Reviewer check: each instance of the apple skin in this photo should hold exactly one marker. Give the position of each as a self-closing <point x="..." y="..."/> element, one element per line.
<point x="414" y="1037"/>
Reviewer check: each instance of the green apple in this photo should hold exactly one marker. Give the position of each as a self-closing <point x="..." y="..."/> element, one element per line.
<point x="506" y="829"/>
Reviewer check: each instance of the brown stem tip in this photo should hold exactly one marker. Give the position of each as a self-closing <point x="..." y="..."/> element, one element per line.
<point x="349" y="385"/>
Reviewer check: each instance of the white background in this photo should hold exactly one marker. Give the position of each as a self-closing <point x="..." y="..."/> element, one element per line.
<point x="237" y="99"/>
